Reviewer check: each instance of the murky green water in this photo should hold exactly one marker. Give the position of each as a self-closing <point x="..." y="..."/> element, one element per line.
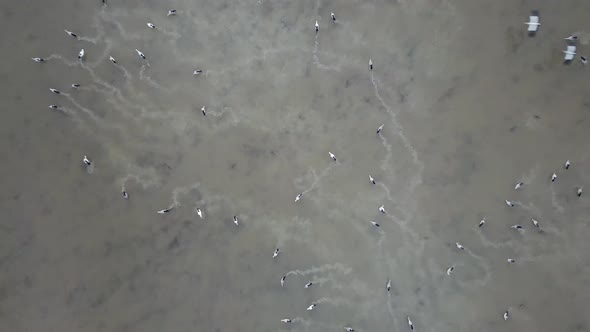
<point x="470" y="105"/>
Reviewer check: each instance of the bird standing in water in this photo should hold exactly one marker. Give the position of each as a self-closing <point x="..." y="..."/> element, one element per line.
<point x="450" y="270"/>
<point x="164" y="211"/>
<point x="372" y="180"/>
<point x="298" y="197"/>
<point x="141" y="55"/>
<point x="332" y="156"/>
<point x="71" y="34"/>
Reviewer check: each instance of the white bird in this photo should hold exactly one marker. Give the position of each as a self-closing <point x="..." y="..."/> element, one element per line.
<point x="509" y="203"/>
<point x="276" y="253"/>
<point x="381" y="209"/>
<point x="570" y="53"/>
<point x="164" y="211"/>
<point x="283" y="280"/>
<point x="584" y="60"/>
<point x="518" y="185"/>
<point x="332" y="156"/>
<point x="579" y="192"/>
<point x="410" y="324"/>
<point x="482" y="222"/>
<point x="86" y="161"/>
<point x="450" y="270"/>
<point x="388" y="286"/>
<point x="151" y="25"/>
<point x="197" y="72"/>
<point x="349" y="329"/>
<point x="71" y="34"/>
<point x="54" y="90"/>
<point x="141" y="55"/>
<point x="333" y="16"/>
<point x="460" y="246"/>
<point x="380" y="128"/>
<point x="171" y="12"/>
<point x="204" y="111"/>
<point x="75" y="85"/>
<point x="553" y="177"/>
<point x="317" y="26"/>
<point x="81" y="54"/>
<point x="309" y="284"/>
<point x="372" y="180"/>
<point x="311" y="307"/>
<point x="55" y="107"/>
<point x="510" y="260"/>
<point x="506" y="314"/>
<point x="200" y="213"/>
<point x="375" y="224"/>
<point x="286" y="320"/>
<point x="125" y="195"/>
<point x="370" y="64"/>
<point x="38" y="59"/>
<point x="236" y="220"/>
<point x="516" y="226"/>
<point x="298" y="197"/>
<point x="571" y="38"/>
<point x="533" y="23"/>
<point x="567" y="164"/>
<point x="112" y="59"/>
<point x="535" y="223"/>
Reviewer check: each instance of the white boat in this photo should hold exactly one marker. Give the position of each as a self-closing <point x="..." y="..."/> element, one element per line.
<point x="533" y="23"/>
<point x="570" y="53"/>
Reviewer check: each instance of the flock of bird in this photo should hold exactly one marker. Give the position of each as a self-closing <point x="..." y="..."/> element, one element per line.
<point x="533" y="26"/>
